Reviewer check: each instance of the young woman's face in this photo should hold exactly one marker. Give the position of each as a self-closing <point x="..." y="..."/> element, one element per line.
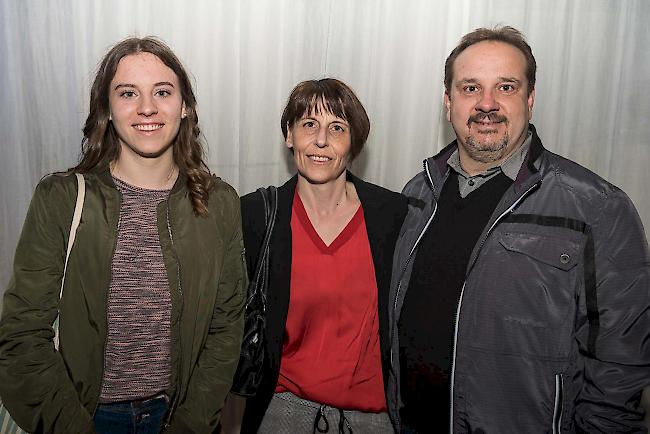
<point x="146" y="105"/>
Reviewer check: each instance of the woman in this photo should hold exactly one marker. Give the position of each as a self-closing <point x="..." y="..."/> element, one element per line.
<point x="149" y="329"/>
<point x="331" y="253"/>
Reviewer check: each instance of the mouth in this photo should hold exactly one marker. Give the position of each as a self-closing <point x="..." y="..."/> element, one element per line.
<point x="487" y="127"/>
<point x="148" y="127"/>
<point x="319" y="158"/>
<point x="489" y="120"/>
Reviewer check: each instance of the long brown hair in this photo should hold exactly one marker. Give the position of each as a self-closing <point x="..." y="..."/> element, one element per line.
<point x="101" y="146"/>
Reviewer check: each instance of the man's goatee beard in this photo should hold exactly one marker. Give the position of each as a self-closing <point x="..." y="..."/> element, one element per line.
<point x="486" y="152"/>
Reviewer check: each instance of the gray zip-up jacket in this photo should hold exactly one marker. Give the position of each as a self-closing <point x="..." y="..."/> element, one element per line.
<point x="552" y="331"/>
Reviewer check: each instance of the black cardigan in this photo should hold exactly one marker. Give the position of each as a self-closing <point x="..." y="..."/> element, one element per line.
<point x="384" y="212"/>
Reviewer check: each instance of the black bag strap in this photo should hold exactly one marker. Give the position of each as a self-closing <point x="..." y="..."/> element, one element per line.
<point x="261" y="276"/>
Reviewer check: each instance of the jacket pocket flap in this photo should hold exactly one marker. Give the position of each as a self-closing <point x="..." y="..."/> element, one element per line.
<point x="556" y="252"/>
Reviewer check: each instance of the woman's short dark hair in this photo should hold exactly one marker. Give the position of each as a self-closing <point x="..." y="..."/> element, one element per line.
<point x="334" y="96"/>
<point x="101" y="146"/>
<point x="506" y="34"/>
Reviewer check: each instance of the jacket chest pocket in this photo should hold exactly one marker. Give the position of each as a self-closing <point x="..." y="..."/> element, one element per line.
<point x="558" y="253"/>
<point x="540" y="277"/>
<point x="526" y="292"/>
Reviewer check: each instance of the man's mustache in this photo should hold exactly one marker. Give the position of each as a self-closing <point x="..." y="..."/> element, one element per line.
<point x="492" y="117"/>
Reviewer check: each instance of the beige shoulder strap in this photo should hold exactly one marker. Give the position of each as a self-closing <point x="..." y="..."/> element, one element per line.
<point x="76" y="218"/>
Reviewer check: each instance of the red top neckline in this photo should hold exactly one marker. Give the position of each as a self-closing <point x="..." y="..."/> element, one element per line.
<point x="341" y="238"/>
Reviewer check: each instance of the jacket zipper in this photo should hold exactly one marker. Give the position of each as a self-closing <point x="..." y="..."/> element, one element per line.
<point x="453" y="361"/>
<point x="559" y="401"/>
<point x="417" y="241"/>
<point x="117" y="233"/>
<point x="174" y="402"/>
<point x="406" y="264"/>
<point x="460" y="300"/>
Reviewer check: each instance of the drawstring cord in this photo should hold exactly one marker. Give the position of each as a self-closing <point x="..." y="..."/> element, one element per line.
<point x="320" y="416"/>
<point x="322" y="425"/>
<point x="344" y="423"/>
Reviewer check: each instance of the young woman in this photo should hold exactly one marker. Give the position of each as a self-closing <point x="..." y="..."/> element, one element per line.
<point x="151" y="313"/>
<point x="330" y="261"/>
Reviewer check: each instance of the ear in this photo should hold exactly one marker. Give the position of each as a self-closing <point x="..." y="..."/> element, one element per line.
<point x="289" y="140"/>
<point x="531" y="101"/>
<point x="447" y="102"/>
<point x="183" y="111"/>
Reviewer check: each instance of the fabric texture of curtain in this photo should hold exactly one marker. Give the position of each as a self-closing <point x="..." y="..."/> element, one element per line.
<point x="593" y="81"/>
<point x="592" y="104"/>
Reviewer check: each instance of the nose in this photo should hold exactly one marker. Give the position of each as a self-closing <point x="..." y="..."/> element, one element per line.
<point x="147" y="106"/>
<point x="321" y="138"/>
<point x="487" y="102"/>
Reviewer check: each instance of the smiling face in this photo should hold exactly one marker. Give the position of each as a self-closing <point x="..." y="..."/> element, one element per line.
<point x="321" y="146"/>
<point x="488" y="105"/>
<point x="146" y="106"/>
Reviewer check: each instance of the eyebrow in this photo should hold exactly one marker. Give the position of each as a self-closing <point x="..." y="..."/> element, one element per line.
<point x="467" y="80"/>
<point x="338" y="120"/>
<point x="160" y="83"/>
<point x="476" y="80"/>
<point x="512" y="79"/>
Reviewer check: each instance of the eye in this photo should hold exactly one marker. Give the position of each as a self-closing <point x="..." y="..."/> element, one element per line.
<point x="338" y="128"/>
<point x="127" y="93"/>
<point x="163" y="93"/>
<point x="308" y="124"/>
<point x="470" y="88"/>
<point x="507" y="88"/>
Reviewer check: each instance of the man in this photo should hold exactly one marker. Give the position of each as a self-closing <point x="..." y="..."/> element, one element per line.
<point x="521" y="280"/>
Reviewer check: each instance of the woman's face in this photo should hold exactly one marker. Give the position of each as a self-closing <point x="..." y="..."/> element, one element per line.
<point x="321" y="146"/>
<point x="146" y="105"/>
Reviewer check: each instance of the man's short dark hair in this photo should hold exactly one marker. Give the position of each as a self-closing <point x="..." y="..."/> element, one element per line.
<point x="506" y="34"/>
<point x="333" y="96"/>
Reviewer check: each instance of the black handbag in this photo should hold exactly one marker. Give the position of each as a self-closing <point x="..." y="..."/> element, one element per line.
<point x="249" y="370"/>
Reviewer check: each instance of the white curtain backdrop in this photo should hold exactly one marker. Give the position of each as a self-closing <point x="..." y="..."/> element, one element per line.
<point x="245" y="56"/>
<point x="593" y="81"/>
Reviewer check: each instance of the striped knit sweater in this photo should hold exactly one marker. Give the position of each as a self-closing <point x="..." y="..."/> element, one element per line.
<point x="137" y="356"/>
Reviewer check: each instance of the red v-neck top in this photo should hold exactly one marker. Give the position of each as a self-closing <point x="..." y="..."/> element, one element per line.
<point x="331" y="352"/>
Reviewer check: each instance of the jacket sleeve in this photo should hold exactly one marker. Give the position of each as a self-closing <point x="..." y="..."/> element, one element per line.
<point x="614" y="377"/>
<point x="34" y="384"/>
<point x="212" y="376"/>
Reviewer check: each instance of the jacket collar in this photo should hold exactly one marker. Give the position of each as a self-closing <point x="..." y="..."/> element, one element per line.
<point x="437" y="165"/>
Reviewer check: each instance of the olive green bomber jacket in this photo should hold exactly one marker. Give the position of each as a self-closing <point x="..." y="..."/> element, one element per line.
<point x="49" y="391"/>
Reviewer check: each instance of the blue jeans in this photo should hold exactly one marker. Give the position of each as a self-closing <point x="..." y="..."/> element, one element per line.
<point x="131" y="417"/>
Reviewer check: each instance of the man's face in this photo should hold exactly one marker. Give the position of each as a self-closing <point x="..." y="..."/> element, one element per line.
<point x="488" y="105"/>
